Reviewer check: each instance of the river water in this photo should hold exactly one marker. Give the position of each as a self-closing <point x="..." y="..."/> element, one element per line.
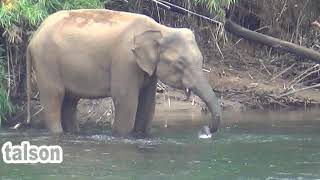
<point x="269" y="145"/>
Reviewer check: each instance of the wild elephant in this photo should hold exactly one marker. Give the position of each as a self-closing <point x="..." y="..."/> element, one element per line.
<point x="104" y="53"/>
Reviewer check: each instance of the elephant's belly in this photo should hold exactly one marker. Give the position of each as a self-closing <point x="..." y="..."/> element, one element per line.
<point x="87" y="83"/>
<point x="88" y="93"/>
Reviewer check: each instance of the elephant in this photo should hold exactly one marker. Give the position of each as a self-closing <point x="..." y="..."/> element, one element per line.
<point x="96" y="53"/>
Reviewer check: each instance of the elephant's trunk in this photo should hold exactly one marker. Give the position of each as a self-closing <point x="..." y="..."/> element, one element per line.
<point x="205" y="92"/>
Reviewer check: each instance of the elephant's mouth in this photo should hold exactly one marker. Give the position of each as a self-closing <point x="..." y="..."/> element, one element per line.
<point x="187" y="92"/>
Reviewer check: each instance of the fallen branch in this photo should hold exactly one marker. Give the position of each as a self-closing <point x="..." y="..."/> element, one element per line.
<point x="302" y="74"/>
<point x="282" y="72"/>
<point x="271" y="41"/>
<point x="298" y="90"/>
<point x="305" y="76"/>
<point x="312" y="80"/>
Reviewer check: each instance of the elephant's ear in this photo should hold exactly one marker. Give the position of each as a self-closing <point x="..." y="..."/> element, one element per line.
<point x="146" y="50"/>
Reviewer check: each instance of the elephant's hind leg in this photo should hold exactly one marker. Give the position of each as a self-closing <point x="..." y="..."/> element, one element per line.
<point x="51" y="99"/>
<point x="69" y="115"/>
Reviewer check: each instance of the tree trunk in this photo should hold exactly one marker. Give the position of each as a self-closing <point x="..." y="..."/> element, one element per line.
<point x="271" y="41"/>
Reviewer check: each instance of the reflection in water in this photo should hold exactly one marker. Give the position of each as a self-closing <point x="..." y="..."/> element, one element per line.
<point x="264" y="145"/>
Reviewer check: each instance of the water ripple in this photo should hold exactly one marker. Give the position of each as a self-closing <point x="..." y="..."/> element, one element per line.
<point x="111" y="139"/>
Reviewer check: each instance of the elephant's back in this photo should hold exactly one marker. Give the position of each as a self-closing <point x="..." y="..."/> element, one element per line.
<point x="88" y="23"/>
<point x="86" y="18"/>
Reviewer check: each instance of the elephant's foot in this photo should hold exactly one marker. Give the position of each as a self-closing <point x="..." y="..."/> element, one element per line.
<point x="142" y="128"/>
<point x="124" y="117"/>
<point x="53" y="125"/>
<point x="55" y="130"/>
<point x="71" y="128"/>
<point x="70" y="124"/>
<point x="140" y="134"/>
<point x="121" y="131"/>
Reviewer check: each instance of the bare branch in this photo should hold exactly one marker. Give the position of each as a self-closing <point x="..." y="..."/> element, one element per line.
<point x="167" y="4"/>
<point x="298" y="90"/>
<point x="282" y="72"/>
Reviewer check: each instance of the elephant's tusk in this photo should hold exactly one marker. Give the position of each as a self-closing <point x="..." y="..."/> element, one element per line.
<point x="206" y="70"/>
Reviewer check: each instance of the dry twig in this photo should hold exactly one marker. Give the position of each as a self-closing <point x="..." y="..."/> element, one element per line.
<point x="264" y="67"/>
<point x="298" y="90"/>
<point x="306" y="71"/>
<point x="305" y="76"/>
<point x="188" y="11"/>
<point x="282" y="72"/>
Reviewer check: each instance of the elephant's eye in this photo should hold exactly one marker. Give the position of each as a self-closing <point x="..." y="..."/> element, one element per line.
<point x="180" y="64"/>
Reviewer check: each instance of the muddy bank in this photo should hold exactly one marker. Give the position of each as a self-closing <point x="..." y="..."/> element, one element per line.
<point x="172" y="109"/>
<point x="100" y="112"/>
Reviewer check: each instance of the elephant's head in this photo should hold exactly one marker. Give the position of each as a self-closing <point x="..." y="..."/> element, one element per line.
<point x="175" y="59"/>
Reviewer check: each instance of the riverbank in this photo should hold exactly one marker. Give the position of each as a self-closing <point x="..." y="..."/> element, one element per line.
<point x="237" y="91"/>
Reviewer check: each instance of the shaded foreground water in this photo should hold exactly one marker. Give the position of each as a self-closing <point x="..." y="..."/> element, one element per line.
<point x="249" y="146"/>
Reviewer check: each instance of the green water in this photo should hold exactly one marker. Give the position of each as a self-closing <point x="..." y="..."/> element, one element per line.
<point x="284" y="150"/>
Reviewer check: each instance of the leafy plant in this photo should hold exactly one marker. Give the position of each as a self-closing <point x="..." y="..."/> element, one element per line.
<point x="31" y="12"/>
<point x="215" y="5"/>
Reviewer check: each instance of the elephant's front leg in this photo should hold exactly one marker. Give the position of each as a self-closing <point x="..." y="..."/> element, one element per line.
<point x="125" y="113"/>
<point x="146" y="108"/>
<point x="125" y="103"/>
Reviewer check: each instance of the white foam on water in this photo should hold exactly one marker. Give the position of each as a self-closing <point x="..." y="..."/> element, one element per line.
<point x="205" y="136"/>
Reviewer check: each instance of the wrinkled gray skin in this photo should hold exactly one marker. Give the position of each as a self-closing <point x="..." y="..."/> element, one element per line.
<point x="102" y="53"/>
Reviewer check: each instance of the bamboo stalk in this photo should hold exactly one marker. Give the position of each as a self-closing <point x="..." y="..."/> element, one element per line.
<point x="8" y="69"/>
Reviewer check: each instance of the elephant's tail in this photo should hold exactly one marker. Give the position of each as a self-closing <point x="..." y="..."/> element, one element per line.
<point x="28" y="75"/>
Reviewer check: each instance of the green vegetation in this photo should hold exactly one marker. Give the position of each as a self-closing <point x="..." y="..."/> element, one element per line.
<point x="215" y="5"/>
<point x="18" y="19"/>
<point x="16" y="12"/>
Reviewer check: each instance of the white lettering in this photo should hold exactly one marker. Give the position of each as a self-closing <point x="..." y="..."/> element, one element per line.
<point x="27" y="153"/>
